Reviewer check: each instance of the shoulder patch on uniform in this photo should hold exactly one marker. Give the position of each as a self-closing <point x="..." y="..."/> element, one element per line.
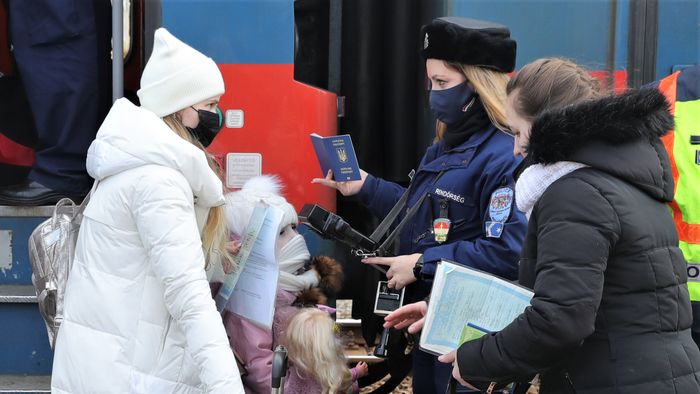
<point x="500" y="204"/>
<point x="494" y="229"/>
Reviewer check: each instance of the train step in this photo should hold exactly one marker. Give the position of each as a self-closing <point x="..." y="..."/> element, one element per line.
<point x="17" y="294"/>
<point x="25" y="383"/>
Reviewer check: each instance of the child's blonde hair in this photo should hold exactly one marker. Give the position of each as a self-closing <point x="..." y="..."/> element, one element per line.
<point x="314" y="349"/>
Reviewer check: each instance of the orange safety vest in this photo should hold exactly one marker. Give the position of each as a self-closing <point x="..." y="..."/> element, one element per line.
<point x="682" y="89"/>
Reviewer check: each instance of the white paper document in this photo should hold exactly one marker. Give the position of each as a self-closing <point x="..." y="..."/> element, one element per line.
<point x="254" y="294"/>
<point x="248" y="240"/>
<point x="463" y="298"/>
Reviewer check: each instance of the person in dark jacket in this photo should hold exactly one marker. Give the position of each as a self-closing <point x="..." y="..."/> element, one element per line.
<point x="468" y="215"/>
<point x="611" y="311"/>
<point x="62" y="52"/>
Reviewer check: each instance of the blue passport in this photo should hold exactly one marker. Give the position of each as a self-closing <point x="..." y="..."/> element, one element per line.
<point x="337" y="153"/>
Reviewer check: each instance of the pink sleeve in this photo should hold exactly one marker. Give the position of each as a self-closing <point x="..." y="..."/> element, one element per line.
<point x="253" y="344"/>
<point x="355" y="375"/>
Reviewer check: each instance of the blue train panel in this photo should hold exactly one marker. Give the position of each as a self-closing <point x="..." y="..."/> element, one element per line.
<point x="24" y="342"/>
<point x="679" y="35"/>
<point x="235" y="31"/>
<point x="580" y="30"/>
<point x="577" y="30"/>
<point x="20" y="271"/>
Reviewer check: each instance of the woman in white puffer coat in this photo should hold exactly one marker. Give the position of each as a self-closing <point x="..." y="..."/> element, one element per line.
<point x="139" y="316"/>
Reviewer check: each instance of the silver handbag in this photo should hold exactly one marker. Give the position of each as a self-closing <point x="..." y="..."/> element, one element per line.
<point x="51" y="253"/>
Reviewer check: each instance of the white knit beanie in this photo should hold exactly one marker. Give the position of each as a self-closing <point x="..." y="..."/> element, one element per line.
<point x="177" y="76"/>
<point x="260" y="189"/>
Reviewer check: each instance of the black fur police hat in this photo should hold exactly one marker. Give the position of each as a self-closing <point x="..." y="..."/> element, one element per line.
<point x="469" y="41"/>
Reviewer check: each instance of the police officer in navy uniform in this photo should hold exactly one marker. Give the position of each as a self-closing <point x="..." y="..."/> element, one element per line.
<point x="468" y="215"/>
<point x="61" y="48"/>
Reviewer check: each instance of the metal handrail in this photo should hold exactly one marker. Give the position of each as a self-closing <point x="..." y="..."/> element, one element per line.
<point x="117" y="47"/>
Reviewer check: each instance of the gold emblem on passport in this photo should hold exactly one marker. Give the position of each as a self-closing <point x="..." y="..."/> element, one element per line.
<point x="342" y="155"/>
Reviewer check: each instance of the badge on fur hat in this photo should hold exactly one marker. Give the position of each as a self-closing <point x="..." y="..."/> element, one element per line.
<point x="425" y="41"/>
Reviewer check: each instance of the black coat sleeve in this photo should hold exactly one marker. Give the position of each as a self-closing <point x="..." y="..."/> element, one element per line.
<point x="576" y="231"/>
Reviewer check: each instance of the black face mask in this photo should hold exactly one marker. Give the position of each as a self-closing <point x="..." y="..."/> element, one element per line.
<point x="451" y="105"/>
<point x="209" y="125"/>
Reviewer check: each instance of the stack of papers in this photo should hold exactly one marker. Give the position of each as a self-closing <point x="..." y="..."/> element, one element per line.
<point x="466" y="303"/>
<point x="250" y="290"/>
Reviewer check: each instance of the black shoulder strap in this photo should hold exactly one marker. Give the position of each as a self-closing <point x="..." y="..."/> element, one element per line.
<point x="389" y="219"/>
<point x="383" y="227"/>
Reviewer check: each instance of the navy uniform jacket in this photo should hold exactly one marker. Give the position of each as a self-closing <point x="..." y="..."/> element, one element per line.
<point x="471" y="173"/>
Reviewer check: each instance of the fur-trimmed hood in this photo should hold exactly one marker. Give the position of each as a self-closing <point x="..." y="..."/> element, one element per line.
<point x="619" y="135"/>
<point x="330" y="274"/>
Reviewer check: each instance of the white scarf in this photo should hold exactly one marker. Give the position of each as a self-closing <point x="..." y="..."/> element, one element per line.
<point x="536" y="179"/>
<point x="292" y="257"/>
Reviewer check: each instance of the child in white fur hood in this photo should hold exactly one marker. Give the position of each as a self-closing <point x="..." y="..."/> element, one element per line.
<point x="302" y="282"/>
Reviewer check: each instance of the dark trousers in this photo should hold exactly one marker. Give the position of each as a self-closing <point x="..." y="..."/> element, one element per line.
<point x="430" y="376"/>
<point x="62" y="55"/>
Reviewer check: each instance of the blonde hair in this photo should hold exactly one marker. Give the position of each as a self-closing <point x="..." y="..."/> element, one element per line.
<point x="215" y="233"/>
<point x="314" y="349"/>
<point x="490" y="85"/>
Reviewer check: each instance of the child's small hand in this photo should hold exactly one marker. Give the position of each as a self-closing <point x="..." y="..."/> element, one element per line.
<point x="362" y="369"/>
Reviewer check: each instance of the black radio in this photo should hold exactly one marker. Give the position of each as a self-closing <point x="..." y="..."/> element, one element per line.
<point x="387" y="300"/>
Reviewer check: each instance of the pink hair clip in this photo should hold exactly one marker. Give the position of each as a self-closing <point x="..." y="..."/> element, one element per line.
<point x="326" y="308"/>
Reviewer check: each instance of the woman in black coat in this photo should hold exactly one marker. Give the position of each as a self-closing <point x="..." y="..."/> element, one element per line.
<point x="611" y="311"/>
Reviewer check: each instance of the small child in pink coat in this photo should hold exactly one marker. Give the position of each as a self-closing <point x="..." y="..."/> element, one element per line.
<point x="316" y="360"/>
<point x="302" y="282"/>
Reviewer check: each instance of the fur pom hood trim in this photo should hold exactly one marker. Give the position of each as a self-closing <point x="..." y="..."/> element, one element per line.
<point x="634" y="115"/>
<point x="330" y="274"/>
<point x="618" y="135"/>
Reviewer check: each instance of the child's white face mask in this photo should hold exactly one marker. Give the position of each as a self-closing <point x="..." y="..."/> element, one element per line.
<point x="292" y="257"/>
